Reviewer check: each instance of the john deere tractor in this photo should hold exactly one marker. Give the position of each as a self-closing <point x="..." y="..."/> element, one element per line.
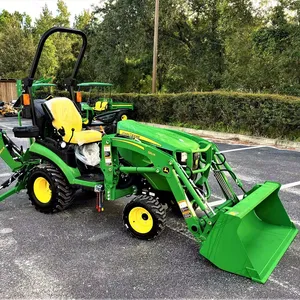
<point x="244" y="235"/>
<point x="36" y="85"/>
<point x="103" y="110"/>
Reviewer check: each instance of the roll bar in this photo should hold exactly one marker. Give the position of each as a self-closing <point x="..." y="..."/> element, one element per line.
<point x="70" y="82"/>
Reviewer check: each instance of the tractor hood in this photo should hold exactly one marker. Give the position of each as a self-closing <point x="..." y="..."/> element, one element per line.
<point x="162" y="138"/>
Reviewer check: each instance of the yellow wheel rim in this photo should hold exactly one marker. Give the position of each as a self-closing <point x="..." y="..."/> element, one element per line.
<point x="41" y="189"/>
<point x="124" y="118"/>
<point x="140" y="220"/>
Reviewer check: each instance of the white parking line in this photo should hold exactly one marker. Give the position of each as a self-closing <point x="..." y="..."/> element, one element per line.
<point x="242" y="149"/>
<point x="289" y="185"/>
<point x="221" y="201"/>
<point x="7" y="127"/>
<point x="216" y="203"/>
<point x="5" y="175"/>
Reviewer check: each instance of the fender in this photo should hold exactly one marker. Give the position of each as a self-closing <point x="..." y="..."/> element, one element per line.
<point x="69" y="172"/>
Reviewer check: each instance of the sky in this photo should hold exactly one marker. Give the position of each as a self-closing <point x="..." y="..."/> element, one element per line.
<point x="34" y="7"/>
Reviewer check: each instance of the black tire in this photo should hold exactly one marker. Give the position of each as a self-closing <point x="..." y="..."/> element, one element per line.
<point x="168" y="198"/>
<point x="153" y="208"/>
<point x="61" y="195"/>
<point x="124" y="115"/>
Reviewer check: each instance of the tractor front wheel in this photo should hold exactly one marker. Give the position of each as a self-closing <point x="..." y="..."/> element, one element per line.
<point x="144" y="217"/>
<point x="48" y="189"/>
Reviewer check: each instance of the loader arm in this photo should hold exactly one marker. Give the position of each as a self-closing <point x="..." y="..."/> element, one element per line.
<point x="160" y="161"/>
<point x="246" y="237"/>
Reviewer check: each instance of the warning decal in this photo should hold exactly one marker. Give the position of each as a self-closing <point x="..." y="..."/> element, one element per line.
<point x="182" y="204"/>
<point x="187" y="214"/>
<point x="107" y="154"/>
<point x="184" y="209"/>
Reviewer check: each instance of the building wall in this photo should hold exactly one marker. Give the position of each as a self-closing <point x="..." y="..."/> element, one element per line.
<point x="8" y="90"/>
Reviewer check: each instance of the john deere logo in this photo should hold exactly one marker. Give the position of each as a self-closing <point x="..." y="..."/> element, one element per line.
<point x="166" y="170"/>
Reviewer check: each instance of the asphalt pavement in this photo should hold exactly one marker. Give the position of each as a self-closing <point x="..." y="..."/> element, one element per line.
<point x="80" y="253"/>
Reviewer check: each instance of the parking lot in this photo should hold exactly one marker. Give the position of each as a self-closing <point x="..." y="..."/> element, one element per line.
<point x="80" y="253"/>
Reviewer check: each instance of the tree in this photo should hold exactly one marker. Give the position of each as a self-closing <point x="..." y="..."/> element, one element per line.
<point x="64" y="44"/>
<point x="119" y="49"/>
<point x="63" y="15"/>
<point x="83" y="20"/>
<point x="16" y="45"/>
<point x="58" y="55"/>
<point x="48" y="63"/>
<point x="203" y="45"/>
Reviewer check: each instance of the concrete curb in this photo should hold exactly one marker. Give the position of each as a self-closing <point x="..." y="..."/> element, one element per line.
<point x="235" y="138"/>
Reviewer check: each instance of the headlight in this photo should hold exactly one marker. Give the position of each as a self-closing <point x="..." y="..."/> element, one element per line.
<point x="184" y="157"/>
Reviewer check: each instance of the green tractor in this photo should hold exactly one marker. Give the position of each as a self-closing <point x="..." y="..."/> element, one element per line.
<point x="103" y="110"/>
<point x="37" y="85"/>
<point x="245" y="235"/>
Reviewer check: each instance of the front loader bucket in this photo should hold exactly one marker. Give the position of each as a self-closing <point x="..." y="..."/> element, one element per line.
<point x="250" y="238"/>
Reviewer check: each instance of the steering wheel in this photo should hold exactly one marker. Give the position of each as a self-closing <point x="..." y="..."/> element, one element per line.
<point x="49" y="96"/>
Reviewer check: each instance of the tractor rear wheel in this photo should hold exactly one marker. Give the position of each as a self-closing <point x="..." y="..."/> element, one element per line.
<point x="144" y="217"/>
<point x="48" y="190"/>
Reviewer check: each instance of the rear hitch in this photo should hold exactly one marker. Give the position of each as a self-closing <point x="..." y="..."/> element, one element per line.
<point x="11" y="179"/>
<point x="99" y="189"/>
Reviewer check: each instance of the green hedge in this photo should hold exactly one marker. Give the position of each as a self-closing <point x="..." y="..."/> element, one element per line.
<point x="266" y="115"/>
<point x="272" y="116"/>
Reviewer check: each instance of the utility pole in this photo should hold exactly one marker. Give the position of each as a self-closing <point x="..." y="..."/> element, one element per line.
<point x="155" y="43"/>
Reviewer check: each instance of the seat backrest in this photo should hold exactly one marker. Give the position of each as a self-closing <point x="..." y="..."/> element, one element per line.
<point x="40" y="115"/>
<point x="101" y="105"/>
<point x="65" y="115"/>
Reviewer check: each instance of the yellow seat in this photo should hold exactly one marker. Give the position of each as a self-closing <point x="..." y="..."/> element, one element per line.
<point x="66" y="116"/>
<point x="101" y="105"/>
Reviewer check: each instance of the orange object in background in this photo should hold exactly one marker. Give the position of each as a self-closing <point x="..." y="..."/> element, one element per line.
<point x="26" y="99"/>
<point x="78" y="97"/>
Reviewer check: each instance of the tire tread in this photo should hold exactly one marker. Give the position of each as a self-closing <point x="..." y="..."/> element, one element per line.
<point x="155" y="208"/>
<point x="64" y="193"/>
